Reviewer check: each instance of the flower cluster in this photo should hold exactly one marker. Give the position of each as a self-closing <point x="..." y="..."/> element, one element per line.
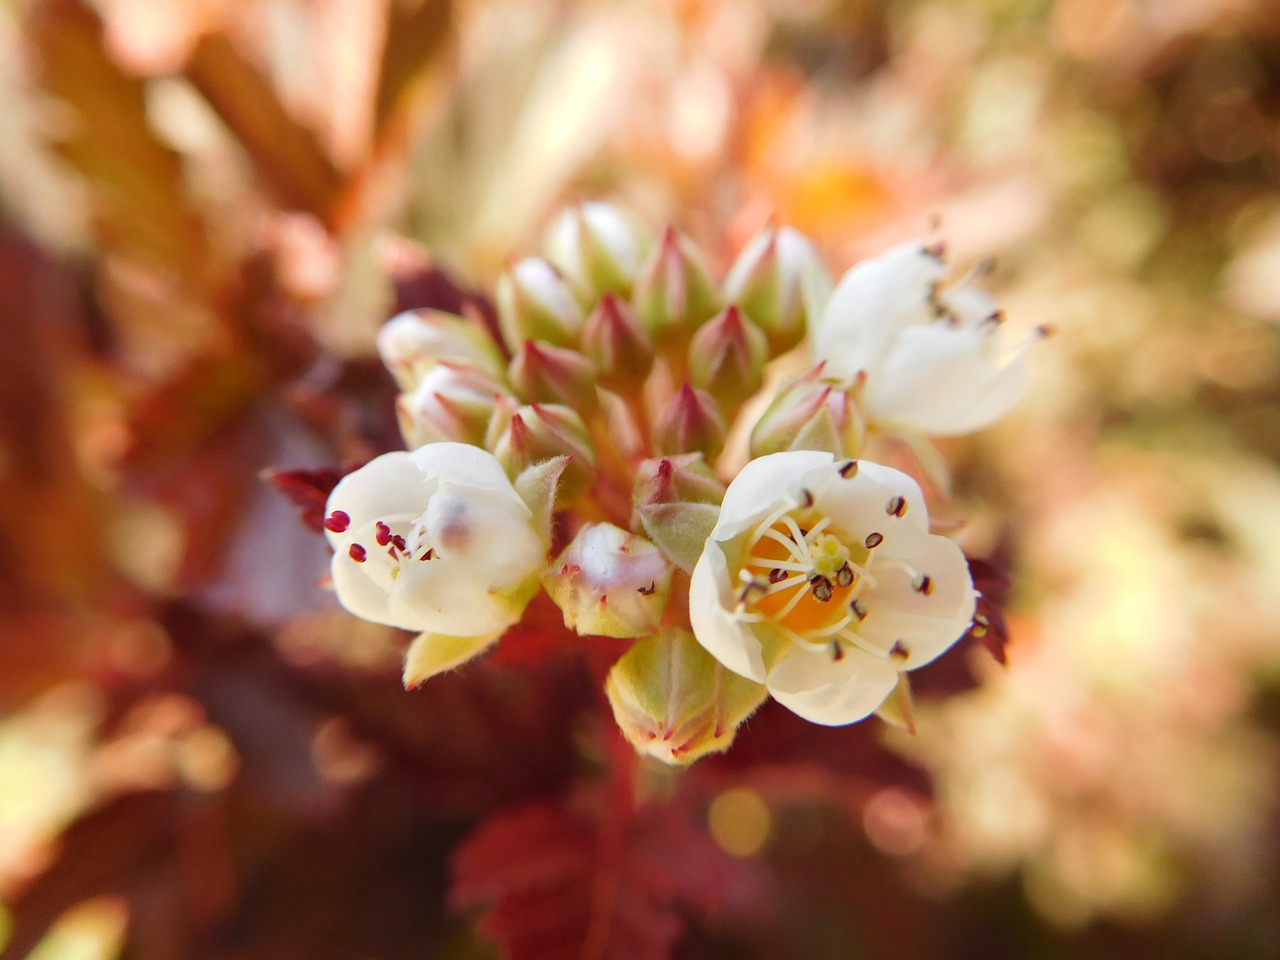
<point x="577" y="447"/>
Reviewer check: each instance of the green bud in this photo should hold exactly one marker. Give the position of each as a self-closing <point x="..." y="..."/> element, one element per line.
<point x="523" y="436"/>
<point x="681" y="478"/>
<point x="811" y="412"/>
<point x="609" y="582"/>
<point x="690" y="423"/>
<point x="674" y="701"/>
<point x="541" y="373"/>
<point x="780" y="282"/>
<point x="535" y="303"/>
<point x="599" y="248"/>
<point x="727" y="357"/>
<point x="617" y="344"/>
<point x="676" y="501"/>
<point x="674" y="293"/>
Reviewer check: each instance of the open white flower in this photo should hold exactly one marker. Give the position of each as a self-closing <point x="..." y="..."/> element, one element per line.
<point x="435" y="540"/>
<point x="821" y="581"/>
<point x="932" y="361"/>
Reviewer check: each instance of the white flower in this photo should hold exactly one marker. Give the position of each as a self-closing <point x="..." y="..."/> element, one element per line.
<point x="933" y="361"/>
<point x="821" y="581"/>
<point x="435" y="540"/>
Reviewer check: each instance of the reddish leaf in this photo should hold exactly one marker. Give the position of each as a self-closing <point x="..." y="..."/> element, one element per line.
<point x="560" y="883"/>
<point x="415" y="33"/>
<point x="308" y="490"/>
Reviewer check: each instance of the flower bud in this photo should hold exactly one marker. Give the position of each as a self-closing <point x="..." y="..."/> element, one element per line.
<point x="780" y="282"/>
<point x="811" y="412"/>
<point x="410" y="343"/>
<point x="535" y="303"/>
<point x="598" y="247"/>
<point x="727" y="357"/>
<point x="674" y="293"/>
<point x="683" y="478"/>
<point x="453" y="401"/>
<point x="616" y="343"/>
<point x="690" y="423"/>
<point x="523" y="436"/>
<point x="672" y="700"/>
<point x="541" y="373"/>
<point x="609" y="582"/>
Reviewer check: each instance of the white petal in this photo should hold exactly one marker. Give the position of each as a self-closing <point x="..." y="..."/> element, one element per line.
<point x="450" y="598"/>
<point x="711" y="602"/>
<point x="944" y="381"/>
<point x="463" y="465"/>
<point x="831" y="692"/>
<point x="872" y="303"/>
<point x="359" y="593"/>
<point x="859" y="505"/>
<point x="761" y="486"/>
<point x="389" y="484"/>
<point x="924" y="624"/>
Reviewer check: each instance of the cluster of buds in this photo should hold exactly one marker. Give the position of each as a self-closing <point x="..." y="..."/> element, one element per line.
<point x="577" y="447"/>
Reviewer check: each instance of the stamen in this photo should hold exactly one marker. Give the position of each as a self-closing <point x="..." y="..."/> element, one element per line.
<point x="874" y="540"/>
<point x="859" y="608"/>
<point x="844" y="576"/>
<point x="849" y="469"/>
<point x="923" y="583"/>
<point x="980" y="626"/>
<point x="822" y="588"/>
<point x="357" y="553"/>
<point x="430" y="554"/>
<point x="776" y="574"/>
<point x="649" y="590"/>
<point x="899" y="650"/>
<point x="837" y="652"/>
<point x="896" y="507"/>
<point x="383" y="535"/>
<point x="806" y="498"/>
<point x="337" y="522"/>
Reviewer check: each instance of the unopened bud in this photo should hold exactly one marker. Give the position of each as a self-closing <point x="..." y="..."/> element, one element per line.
<point x="609" y="582"/>
<point x="690" y="423"/>
<point x="674" y="293"/>
<point x="541" y="373"/>
<point x="681" y="478"/>
<point x="811" y="412"/>
<point x="780" y="282"/>
<point x="410" y="343"/>
<point x="599" y="248"/>
<point x="535" y="303"/>
<point x="727" y="357"/>
<point x="453" y="401"/>
<point x="673" y="700"/>
<point x="523" y="436"/>
<point x="616" y="342"/>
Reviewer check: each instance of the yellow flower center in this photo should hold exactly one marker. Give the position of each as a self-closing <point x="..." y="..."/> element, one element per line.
<point x="801" y="576"/>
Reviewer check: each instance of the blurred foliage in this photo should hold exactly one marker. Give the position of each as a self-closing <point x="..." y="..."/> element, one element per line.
<point x="206" y="209"/>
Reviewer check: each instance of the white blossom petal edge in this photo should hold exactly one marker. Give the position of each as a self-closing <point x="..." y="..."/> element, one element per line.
<point x="821" y="580"/>
<point x="434" y="540"/>
<point x="933" y="361"/>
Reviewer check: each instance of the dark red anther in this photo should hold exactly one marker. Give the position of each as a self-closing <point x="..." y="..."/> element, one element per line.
<point x="399" y="542"/>
<point x="874" y="540"/>
<point x="429" y="554"/>
<point x="837" y="652"/>
<point x="849" y="469"/>
<point x="896" y="507"/>
<point x="899" y="650"/>
<point x="649" y="590"/>
<point x="357" y="553"/>
<point x="337" y="522"/>
<point x="384" y="534"/>
<point x="776" y="574"/>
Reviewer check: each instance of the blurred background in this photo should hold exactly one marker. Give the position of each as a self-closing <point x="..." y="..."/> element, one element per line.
<point x="207" y="207"/>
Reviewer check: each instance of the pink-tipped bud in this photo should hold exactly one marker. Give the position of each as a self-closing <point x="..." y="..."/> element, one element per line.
<point x="780" y="282"/>
<point x="617" y="344"/>
<point x="727" y="357"/>
<point x="674" y="293"/>
<point x="411" y="343"/>
<point x="673" y="701"/>
<point x="523" y="436"/>
<point x="541" y="373"/>
<point x="609" y="582"/>
<point x="453" y="401"/>
<point x="599" y="248"/>
<point x="690" y="423"/>
<point x="681" y="478"/>
<point x="811" y="412"/>
<point x="535" y="303"/>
